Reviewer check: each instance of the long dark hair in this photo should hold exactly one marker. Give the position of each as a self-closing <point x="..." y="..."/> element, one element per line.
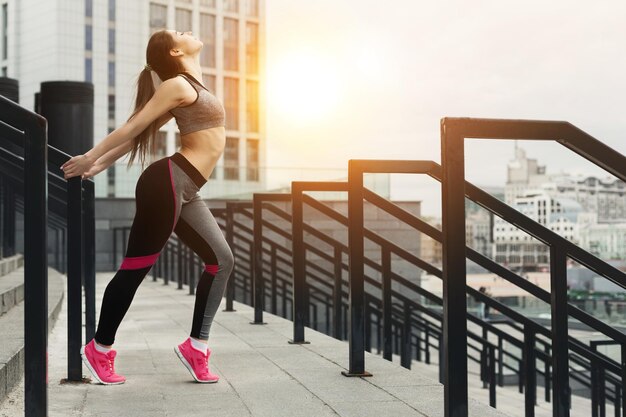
<point x="166" y="66"/>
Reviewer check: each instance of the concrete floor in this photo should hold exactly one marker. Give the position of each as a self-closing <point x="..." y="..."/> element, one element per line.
<point x="261" y="374"/>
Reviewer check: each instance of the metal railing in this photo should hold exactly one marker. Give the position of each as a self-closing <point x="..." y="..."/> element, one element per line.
<point x="275" y="272"/>
<point x="454" y="131"/>
<point x="34" y="183"/>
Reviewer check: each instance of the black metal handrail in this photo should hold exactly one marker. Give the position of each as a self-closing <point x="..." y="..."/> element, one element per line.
<point x="47" y="199"/>
<point x="263" y="261"/>
<point x="454" y="131"/>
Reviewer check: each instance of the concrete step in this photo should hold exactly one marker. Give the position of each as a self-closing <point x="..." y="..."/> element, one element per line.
<point x="11" y="290"/>
<point x="11" y="282"/>
<point x="12" y="330"/>
<point x="11" y="263"/>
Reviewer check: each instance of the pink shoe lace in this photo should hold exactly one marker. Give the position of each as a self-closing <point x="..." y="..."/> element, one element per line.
<point x="108" y="361"/>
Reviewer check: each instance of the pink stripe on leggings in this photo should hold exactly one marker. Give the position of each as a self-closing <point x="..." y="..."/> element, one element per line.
<point x="211" y="269"/>
<point x="139" y="262"/>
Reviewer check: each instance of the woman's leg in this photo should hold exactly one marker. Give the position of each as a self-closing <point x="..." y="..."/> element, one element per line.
<point x="158" y="207"/>
<point x="199" y="230"/>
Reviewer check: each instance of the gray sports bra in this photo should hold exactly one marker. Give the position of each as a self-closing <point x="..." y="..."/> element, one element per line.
<point x="205" y="112"/>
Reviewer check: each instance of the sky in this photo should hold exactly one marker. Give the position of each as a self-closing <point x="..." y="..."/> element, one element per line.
<point x="356" y="79"/>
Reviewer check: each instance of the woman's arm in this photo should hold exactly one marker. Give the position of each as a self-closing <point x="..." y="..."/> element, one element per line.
<point x="169" y="95"/>
<point x="114" y="154"/>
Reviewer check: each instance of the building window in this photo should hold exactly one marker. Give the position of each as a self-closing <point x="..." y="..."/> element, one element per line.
<point x="88" y="37"/>
<point x="231" y="159"/>
<point x="112" y="10"/>
<point x="4" y="72"/>
<point x="231" y="102"/>
<point x="111" y="74"/>
<point x="231" y="6"/>
<point x="111" y="41"/>
<point x="252" y="54"/>
<point x="158" y="17"/>
<point x="207" y="3"/>
<point x="230" y="45"/>
<point x="88" y="69"/>
<point x="89" y="8"/>
<point x="252" y="106"/>
<point x="5" y="32"/>
<point x="209" y="82"/>
<point x="252" y="7"/>
<point x="207" y="36"/>
<point x="252" y="160"/>
<point x="111" y="107"/>
<point x="183" y="20"/>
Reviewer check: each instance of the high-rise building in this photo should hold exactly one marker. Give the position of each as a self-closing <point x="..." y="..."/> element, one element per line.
<point x="104" y="42"/>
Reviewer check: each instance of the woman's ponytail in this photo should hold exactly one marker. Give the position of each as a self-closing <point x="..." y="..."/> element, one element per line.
<point x="160" y="66"/>
<point x="145" y="139"/>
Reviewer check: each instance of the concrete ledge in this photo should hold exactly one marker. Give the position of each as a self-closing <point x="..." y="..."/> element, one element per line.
<point x="11" y="263"/>
<point x="11" y="290"/>
<point x="12" y="328"/>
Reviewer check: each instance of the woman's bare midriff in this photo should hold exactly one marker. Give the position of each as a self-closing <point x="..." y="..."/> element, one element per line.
<point x="203" y="148"/>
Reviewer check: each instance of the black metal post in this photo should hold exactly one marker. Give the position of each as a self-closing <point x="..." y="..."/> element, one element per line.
<point x="386" y="301"/>
<point x="75" y="255"/>
<point x="427" y="345"/>
<point x="492" y="376"/>
<point x="368" y="324"/>
<point x="405" y="353"/>
<point x="274" y="277"/>
<point x="337" y="296"/>
<point x="90" y="260"/>
<point x="558" y="298"/>
<point x="618" y="401"/>
<point x="500" y="362"/>
<point x="36" y="265"/>
<point x="442" y="362"/>
<point x="167" y="270"/>
<point x="546" y="373"/>
<point x="179" y="261"/>
<point x="257" y="255"/>
<point x="356" y="335"/>
<point x="624" y="377"/>
<point x="230" y="229"/>
<point x="454" y="278"/>
<point x="530" y="372"/>
<point x="484" y="358"/>
<point x="300" y="308"/>
<point x="191" y="262"/>
<point x="64" y="248"/>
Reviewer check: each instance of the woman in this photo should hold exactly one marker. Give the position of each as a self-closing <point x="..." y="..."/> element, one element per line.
<point x="167" y="197"/>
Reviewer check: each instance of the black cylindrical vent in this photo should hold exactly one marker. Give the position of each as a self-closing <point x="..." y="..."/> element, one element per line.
<point x="68" y="107"/>
<point x="10" y="88"/>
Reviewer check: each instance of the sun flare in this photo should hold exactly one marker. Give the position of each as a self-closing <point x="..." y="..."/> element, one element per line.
<point x="303" y="87"/>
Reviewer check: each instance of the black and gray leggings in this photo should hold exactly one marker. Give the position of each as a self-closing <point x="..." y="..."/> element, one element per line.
<point x="168" y="201"/>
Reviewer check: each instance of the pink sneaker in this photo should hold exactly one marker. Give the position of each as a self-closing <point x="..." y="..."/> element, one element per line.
<point x="101" y="365"/>
<point x="196" y="362"/>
